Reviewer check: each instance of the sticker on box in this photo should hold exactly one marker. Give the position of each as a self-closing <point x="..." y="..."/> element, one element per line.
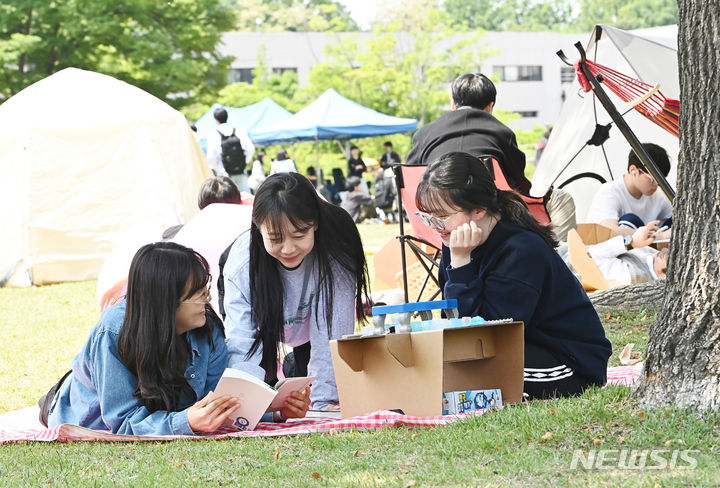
<point x="456" y="402"/>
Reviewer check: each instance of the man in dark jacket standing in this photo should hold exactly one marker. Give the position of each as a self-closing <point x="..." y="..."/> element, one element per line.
<point x="470" y="127"/>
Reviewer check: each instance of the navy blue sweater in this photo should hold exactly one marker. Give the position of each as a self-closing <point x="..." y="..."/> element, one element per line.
<point x="515" y="274"/>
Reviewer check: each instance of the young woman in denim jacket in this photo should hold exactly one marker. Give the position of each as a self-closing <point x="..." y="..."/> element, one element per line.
<point x="152" y="360"/>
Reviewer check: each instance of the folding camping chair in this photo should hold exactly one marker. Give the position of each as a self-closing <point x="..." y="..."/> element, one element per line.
<point x="536" y="205"/>
<point x="407" y="179"/>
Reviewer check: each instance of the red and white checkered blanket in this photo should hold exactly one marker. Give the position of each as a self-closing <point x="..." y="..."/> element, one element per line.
<point x="22" y="430"/>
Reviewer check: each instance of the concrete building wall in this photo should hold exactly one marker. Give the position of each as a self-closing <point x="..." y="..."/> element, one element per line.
<point x="518" y="59"/>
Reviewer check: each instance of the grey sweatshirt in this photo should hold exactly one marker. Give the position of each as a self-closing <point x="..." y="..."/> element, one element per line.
<point x="300" y="323"/>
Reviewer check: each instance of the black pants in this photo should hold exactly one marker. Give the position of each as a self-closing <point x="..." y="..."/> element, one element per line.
<point x="546" y="377"/>
<point x="296" y="363"/>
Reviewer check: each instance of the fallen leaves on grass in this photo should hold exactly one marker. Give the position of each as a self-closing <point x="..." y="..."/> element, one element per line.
<point x="277" y="452"/>
<point x="597" y="442"/>
<point x="641" y="414"/>
<point x="547" y="436"/>
<point x="316" y="475"/>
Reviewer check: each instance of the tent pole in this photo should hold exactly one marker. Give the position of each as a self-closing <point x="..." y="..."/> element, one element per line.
<point x="317" y="153"/>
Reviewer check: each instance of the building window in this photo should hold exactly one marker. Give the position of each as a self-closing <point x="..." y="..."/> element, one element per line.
<point x="238" y="75"/>
<point x="567" y="74"/>
<point x="528" y="114"/>
<point x="518" y="73"/>
<point x="280" y="71"/>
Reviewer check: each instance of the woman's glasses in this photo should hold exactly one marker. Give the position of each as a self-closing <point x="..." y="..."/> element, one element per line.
<point x="432" y="221"/>
<point x="202" y="297"/>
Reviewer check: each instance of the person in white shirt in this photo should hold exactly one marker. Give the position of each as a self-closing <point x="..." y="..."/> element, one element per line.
<point x="214" y="148"/>
<point x="626" y="204"/>
<point x="282" y="163"/>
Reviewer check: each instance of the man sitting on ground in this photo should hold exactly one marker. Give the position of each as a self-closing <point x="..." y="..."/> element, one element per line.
<point x="470" y="127"/>
<point x="627" y="204"/>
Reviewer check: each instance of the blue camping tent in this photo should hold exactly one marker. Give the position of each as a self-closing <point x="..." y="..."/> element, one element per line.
<point x="331" y="116"/>
<point x="264" y="113"/>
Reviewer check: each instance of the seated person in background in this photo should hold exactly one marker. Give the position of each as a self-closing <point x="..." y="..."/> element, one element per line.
<point x="355" y="199"/>
<point x="390" y="157"/>
<point x="385" y="195"/>
<point x="626" y="204"/>
<point x="626" y="260"/>
<point x="312" y="175"/>
<point x="257" y="174"/>
<point x="470" y="127"/>
<point x="282" y="163"/>
<point x="498" y="262"/>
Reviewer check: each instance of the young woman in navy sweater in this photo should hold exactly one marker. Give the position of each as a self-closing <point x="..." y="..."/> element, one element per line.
<point x="498" y="262"/>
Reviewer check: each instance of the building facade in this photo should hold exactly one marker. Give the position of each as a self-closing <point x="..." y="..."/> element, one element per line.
<point x="533" y="80"/>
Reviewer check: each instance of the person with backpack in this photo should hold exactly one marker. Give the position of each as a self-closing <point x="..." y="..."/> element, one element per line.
<point x="229" y="149"/>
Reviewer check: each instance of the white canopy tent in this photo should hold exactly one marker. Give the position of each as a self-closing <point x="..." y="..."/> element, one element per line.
<point x="85" y="157"/>
<point x="649" y="55"/>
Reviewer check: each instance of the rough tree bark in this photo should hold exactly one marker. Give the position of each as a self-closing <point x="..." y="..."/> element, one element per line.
<point x="683" y="357"/>
<point x="631" y="297"/>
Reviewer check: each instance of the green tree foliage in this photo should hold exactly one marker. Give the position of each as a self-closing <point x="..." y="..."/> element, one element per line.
<point x="560" y="15"/>
<point x="166" y="47"/>
<point x="293" y="16"/>
<point x="399" y="71"/>
<point x="511" y="15"/>
<point x="626" y="14"/>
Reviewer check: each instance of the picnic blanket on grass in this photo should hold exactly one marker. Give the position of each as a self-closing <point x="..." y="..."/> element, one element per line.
<point x="22" y="425"/>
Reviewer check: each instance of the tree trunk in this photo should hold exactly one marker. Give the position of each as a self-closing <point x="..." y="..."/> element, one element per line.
<point x="683" y="357"/>
<point x="631" y="297"/>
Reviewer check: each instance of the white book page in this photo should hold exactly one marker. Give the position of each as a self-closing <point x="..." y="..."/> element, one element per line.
<point x="255" y="395"/>
<point x="286" y="386"/>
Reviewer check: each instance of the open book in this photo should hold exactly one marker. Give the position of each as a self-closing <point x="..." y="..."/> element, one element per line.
<point x="257" y="397"/>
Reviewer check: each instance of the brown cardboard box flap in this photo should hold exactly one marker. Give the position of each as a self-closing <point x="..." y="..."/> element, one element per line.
<point x="590" y="275"/>
<point x="594" y="233"/>
<point x="351" y="354"/>
<point x="400" y="347"/>
<point x="467" y="344"/>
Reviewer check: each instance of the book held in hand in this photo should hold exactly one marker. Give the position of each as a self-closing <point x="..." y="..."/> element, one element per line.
<point x="256" y="396"/>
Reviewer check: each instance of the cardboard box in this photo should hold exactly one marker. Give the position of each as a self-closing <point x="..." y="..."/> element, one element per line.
<point x="594" y="233"/>
<point x="411" y="371"/>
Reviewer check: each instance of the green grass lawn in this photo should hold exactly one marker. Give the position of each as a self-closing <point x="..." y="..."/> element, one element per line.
<point x="43" y="328"/>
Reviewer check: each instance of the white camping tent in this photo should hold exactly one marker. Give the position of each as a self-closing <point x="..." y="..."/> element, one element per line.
<point x="83" y="158"/>
<point x="649" y="55"/>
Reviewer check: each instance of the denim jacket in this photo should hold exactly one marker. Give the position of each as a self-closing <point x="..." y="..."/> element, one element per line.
<point x="99" y="392"/>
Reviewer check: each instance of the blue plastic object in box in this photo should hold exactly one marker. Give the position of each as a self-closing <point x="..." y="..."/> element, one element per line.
<point x="414" y="307"/>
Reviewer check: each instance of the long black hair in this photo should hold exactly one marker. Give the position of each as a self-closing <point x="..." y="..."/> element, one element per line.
<point x="337" y="243"/>
<point x="161" y="276"/>
<point x="462" y="181"/>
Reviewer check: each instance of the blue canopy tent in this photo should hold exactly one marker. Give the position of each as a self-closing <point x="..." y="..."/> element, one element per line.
<point x="331" y="116"/>
<point x="264" y="113"/>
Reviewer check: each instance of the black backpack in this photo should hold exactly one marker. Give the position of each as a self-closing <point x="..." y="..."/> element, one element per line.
<point x="233" y="156"/>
